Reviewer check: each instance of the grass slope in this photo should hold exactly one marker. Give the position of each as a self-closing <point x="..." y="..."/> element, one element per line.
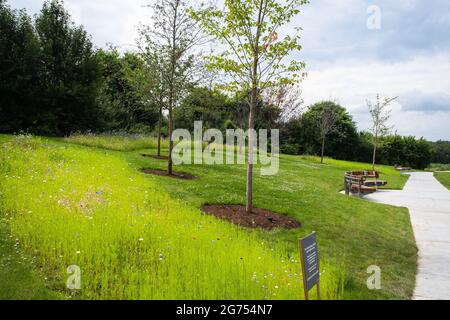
<point x="355" y="233"/>
<point x="352" y="233"/>
<point x="73" y="205"/>
<point x="444" y="178"/>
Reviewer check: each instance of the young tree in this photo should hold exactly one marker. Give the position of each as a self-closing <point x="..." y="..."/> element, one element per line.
<point x="159" y="91"/>
<point x="327" y="123"/>
<point x="173" y="36"/>
<point x="380" y="117"/>
<point x="154" y="55"/>
<point x="254" y="57"/>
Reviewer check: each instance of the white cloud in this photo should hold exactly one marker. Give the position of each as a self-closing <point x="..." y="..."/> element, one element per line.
<point x="112" y="21"/>
<point x="352" y="82"/>
<point x="108" y="21"/>
<point x="75" y="11"/>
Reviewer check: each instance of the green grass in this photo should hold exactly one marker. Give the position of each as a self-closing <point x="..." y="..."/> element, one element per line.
<point x="19" y="278"/>
<point x="4" y="138"/>
<point x="116" y="142"/>
<point x="73" y="205"/>
<point x="444" y="178"/>
<point x="394" y="178"/>
<point x="351" y="231"/>
<point x="353" y="234"/>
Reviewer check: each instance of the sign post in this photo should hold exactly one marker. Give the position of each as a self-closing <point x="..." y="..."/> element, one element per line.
<point x="310" y="264"/>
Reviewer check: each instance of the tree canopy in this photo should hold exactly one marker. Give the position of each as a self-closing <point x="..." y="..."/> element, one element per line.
<point x="304" y="132"/>
<point x="49" y="72"/>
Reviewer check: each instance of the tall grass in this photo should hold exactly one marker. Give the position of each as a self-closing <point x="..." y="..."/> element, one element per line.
<point x="73" y="206"/>
<point x="117" y="142"/>
<point x="129" y="142"/>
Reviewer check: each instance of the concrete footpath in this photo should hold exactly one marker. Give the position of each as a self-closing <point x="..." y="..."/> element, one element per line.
<point x="428" y="202"/>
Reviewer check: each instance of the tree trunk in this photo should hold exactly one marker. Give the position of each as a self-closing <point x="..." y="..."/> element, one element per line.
<point x="253" y="103"/>
<point x="251" y="139"/>
<point x="172" y="88"/>
<point x="323" y="149"/>
<point x="159" y="131"/>
<point x="374" y="155"/>
<point x="170" y="164"/>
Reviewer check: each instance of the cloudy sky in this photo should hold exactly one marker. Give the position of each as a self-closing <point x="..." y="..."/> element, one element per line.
<point x="351" y="55"/>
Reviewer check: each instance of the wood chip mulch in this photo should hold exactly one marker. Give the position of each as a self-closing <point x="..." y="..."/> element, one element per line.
<point x="259" y="218"/>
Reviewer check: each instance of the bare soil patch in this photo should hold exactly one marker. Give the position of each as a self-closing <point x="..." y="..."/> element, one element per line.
<point x="155" y="156"/>
<point x="175" y="175"/>
<point x="259" y="218"/>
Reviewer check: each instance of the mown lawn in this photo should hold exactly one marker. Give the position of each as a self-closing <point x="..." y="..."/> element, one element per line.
<point x="353" y="234"/>
<point x="444" y="178"/>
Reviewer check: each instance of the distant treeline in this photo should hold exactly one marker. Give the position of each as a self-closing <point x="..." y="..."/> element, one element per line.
<point x="299" y="136"/>
<point x="54" y="82"/>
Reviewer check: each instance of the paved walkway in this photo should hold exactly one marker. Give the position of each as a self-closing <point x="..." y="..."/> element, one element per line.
<point x="429" y="206"/>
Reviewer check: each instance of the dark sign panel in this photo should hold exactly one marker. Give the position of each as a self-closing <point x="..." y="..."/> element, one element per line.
<point x="310" y="261"/>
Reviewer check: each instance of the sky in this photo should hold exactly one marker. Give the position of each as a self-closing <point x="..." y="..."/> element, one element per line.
<point x="353" y="50"/>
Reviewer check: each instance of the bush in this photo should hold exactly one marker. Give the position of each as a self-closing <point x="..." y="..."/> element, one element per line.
<point x="405" y="151"/>
<point x="441" y="151"/>
<point x="292" y="149"/>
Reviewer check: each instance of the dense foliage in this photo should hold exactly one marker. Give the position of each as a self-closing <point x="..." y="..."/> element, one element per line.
<point x="19" y="69"/>
<point x="49" y="72"/>
<point x="301" y="134"/>
<point x="123" y="98"/>
<point x="441" y="152"/>
<point x="405" y="151"/>
<point x="217" y="110"/>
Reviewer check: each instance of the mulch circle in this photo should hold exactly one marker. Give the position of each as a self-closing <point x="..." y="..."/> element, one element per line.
<point x="155" y="156"/>
<point x="259" y="218"/>
<point x="164" y="173"/>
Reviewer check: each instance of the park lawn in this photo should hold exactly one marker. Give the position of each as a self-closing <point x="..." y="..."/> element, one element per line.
<point x="351" y="231"/>
<point x="68" y="205"/>
<point x="356" y="233"/>
<point x="395" y="179"/>
<point x="444" y="178"/>
<point x="353" y="234"/>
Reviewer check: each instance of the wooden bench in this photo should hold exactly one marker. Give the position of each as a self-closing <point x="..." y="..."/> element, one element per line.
<point x="375" y="183"/>
<point x="362" y="182"/>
